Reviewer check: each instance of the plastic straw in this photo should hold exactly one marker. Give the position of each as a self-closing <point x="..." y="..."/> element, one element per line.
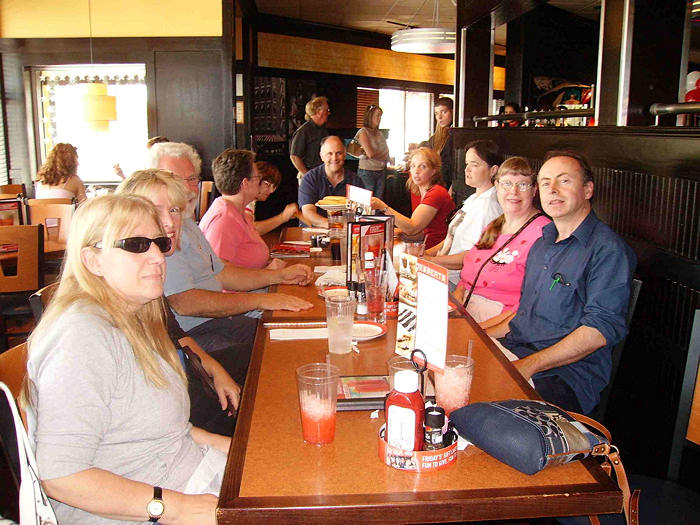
<point x="470" y="347"/>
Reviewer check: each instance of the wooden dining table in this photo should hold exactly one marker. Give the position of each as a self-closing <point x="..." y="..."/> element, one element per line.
<point x="272" y="474"/>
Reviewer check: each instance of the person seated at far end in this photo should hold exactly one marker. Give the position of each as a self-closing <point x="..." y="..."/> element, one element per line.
<point x="330" y="178"/>
<point x="271" y="179"/>
<point x="430" y="201"/>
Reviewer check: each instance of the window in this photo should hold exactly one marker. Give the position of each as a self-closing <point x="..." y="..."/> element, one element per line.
<point x="408" y="115"/>
<point x="60" y="91"/>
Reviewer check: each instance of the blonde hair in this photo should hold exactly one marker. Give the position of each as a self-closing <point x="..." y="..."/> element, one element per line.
<point x="433" y="160"/>
<point x="61" y="164"/>
<point x="511" y="166"/>
<point x="313" y="105"/>
<point x="145" y="182"/>
<point x="106" y="219"/>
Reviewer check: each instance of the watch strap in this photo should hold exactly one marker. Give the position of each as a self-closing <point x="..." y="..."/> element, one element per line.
<point x="157" y="495"/>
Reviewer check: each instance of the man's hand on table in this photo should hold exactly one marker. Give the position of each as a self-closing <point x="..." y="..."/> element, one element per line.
<point x="282" y="301"/>
<point x="300" y="274"/>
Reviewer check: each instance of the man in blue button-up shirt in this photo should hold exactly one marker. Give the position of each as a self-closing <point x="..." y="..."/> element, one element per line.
<point x="575" y="293"/>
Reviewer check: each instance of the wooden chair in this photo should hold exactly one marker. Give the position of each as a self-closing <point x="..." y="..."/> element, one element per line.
<point x="40" y="299"/>
<point x="13" y="368"/>
<point x="205" y="194"/>
<point x="15" y="289"/>
<point x="14" y="189"/>
<point x="11" y="209"/>
<point x="54" y="214"/>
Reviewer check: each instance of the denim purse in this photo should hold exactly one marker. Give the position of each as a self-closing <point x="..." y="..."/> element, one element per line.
<point x="533" y="435"/>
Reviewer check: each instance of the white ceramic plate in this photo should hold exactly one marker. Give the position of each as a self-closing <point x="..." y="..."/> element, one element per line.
<point x="367" y="330"/>
<point x="332" y="207"/>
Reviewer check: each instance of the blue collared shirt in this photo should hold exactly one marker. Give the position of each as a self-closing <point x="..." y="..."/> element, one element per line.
<point x="595" y="268"/>
<point x="315" y="185"/>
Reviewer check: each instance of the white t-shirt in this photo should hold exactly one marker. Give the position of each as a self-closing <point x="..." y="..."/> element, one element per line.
<point x="478" y="212"/>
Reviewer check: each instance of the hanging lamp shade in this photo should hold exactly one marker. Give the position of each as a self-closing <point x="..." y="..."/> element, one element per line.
<point x="431" y="40"/>
<point x="99" y="108"/>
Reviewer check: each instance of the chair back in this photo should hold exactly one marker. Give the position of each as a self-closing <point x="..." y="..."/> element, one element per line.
<point x="13" y="368"/>
<point x="205" y="191"/>
<point x="686" y="408"/>
<point x="11" y="209"/>
<point x="602" y="407"/>
<point x="40" y="299"/>
<point x="14" y="189"/>
<point x="29" y="242"/>
<point x="54" y="214"/>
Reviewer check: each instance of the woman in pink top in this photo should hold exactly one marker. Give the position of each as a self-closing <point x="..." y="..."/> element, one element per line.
<point x="430" y="201"/>
<point x="496" y="294"/>
<point x="228" y="228"/>
<point x="58" y="177"/>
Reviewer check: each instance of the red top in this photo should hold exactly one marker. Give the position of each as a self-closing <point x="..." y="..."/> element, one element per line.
<point x="232" y="235"/>
<point x="438" y="198"/>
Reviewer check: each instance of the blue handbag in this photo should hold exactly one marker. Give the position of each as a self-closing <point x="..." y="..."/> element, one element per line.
<point x="533" y="435"/>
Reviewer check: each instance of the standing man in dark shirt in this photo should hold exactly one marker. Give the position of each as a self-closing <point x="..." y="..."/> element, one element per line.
<point x="575" y="293"/>
<point x="306" y="143"/>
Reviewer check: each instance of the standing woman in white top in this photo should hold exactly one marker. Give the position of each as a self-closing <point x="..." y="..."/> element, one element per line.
<point x="481" y="165"/>
<point x="372" y="168"/>
<point x="58" y="177"/>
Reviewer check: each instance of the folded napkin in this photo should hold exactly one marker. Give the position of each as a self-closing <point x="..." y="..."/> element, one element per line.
<point x="333" y="276"/>
<point x="291" y="334"/>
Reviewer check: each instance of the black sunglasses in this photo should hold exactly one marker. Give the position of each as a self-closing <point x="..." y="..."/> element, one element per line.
<point x="140" y="244"/>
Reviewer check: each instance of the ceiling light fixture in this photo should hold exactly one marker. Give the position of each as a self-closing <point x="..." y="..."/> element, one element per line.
<point x="99" y="108"/>
<point x="429" y="40"/>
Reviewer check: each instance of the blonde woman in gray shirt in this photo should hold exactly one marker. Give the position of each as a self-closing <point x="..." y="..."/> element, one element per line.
<point x="106" y="394"/>
<point x="372" y="165"/>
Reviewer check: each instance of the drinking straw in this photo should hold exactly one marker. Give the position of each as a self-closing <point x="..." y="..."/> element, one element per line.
<point x="470" y="347"/>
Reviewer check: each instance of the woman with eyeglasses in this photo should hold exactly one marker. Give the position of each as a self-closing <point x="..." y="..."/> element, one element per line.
<point x="226" y="225"/>
<point x="58" y="176"/>
<point x="372" y="165"/>
<point x="430" y="201"/>
<point x="493" y="270"/>
<point x="271" y="178"/>
<point x="106" y="394"/>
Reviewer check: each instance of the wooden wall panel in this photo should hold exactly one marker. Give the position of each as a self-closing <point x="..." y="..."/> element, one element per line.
<point x="306" y="54"/>
<point x="694" y="424"/>
<point x="189" y="100"/>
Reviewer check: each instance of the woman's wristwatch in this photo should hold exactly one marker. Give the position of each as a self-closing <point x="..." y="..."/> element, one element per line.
<point x="156" y="507"/>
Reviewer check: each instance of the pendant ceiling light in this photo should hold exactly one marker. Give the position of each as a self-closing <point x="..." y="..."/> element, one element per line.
<point x="431" y="40"/>
<point x="99" y="108"/>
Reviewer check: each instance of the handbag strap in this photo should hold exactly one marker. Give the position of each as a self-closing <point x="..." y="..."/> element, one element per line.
<point x="630" y="501"/>
<point x="512" y="238"/>
<point x="34" y="505"/>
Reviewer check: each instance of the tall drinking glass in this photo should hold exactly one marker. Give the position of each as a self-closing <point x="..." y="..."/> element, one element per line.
<point x="453" y="386"/>
<point x="340" y="313"/>
<point x="375" y="288"/>
<point x="318" y="392"/>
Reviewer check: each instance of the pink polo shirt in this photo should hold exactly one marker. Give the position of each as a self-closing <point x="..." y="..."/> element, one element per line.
<point x="232" y="235"/>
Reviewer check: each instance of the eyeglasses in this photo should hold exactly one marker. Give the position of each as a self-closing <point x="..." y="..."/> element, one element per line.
<point x="140" y="244"/>
<point x="270" y="185"/>
<point x="519" y="186"/>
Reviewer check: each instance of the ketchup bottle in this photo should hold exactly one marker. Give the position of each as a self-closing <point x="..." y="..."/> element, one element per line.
<point x="404" y="411"/>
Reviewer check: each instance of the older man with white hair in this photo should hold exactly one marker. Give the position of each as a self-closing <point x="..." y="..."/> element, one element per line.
<point x="184" y="161"/>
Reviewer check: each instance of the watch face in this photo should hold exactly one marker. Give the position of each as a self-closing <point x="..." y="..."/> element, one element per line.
<point x="155" y="507"/>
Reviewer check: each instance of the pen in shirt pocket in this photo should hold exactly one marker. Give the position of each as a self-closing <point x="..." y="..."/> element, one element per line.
<point x="558" y="278"/>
